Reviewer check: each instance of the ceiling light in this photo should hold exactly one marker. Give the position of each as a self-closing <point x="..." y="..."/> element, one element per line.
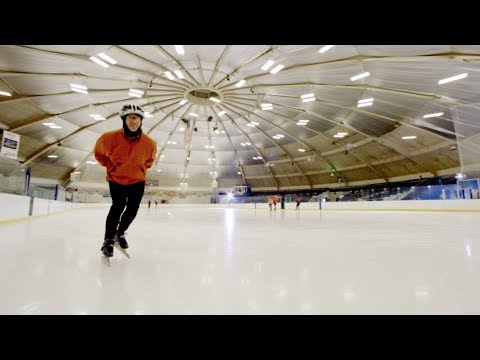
<point x="308" y="99"/>
<point x="134" y="95"/>
<point x="5" y="93"/>
<point x="267" y="65"/>
<point x="147" y="114"/>
<point x="246" y="142"/>
<point x="193" y="114"/>
<point x="79" y="90"/>
<point x="277" y="68"/>
<point x="136" y="91"/>
<point x="254" y="123"/>
<point x="215" y="99"/>
<point x="98" y="61"/>
<point x="78" y="86"/>
<point x="342" y="133"/>
<point x="221" y="113"/>
<point x="48" y="124"/>
<point x="183" y="101"/>
<point x="108" y="58"/>
<point x="251" y="125"/>
<point x="52" y="156"/>
<point x="280" y="135"/>
<point x="307" y="95"/>
<point x="301" y="150"/>
<point x="179" y="74"/>
<point x="301" y="123"/>
<point x="55" y="127"/>
<point x="180" y="50"/>
<point x="408" y="137"/>
<point x="325" y="48"/>
<point x="240" y="83"/>
<point x="453" y="78"/>
<point x="169" y="75"/>
<point x="338" y="136"/>
<point x="432" y="115"/>
<point x="304" y="121"/>
<point x="360" y="76"/>
<point x="181" y="129"/>
<point x="365" y="104"/>
<point x="365" y="100"/>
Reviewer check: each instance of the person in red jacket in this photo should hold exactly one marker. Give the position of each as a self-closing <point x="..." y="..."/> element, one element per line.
<point x="127" y="154"/>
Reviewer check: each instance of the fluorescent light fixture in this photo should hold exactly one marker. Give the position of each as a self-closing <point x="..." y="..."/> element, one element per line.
<point x="188" y="158"/>
<point x="169" y="75"/>
<point x="5" y="93"/>
<point x="214" y="99"/>
<point x="98" y="61"/>
<point x="338" y="136"/>
<point x="169" y="142"/>
<point x="193" y="114"/>
<point x="76" y="172"/>
<point x="243" y="144"/>
<point x="221" y="113"/>
<point x="239" y="173"/>
<point x="307" y="96"/>
<point x="179" y="74"/>
<point x="217" y="132"/>
<point x="48" y="124"/>
<point x="134" y="95"/>
<point x="325" y="48"/>
<point x="302" y="123"/>
<point x="240" y="83"/>
<point x="254" y="123"/>
<point x="267" y="108"/>
<point x="52" y="156"/>
<point x="267" y="65"/>
<point x="265" y="104"/>
<point x="78" y="86"/>
<point x="365" y="100"/>
<point x="301" y="150"/>
<point x="162" y="156"/>
<point x="174" y="143"/>
<point x="308" y="99"/>
<point x="251" y="125"/>
<point x="183" y="101"/>
<point x="276" y="69"/>
<point x="276" y="137"/>
<point x="408" y="137"/>
<point x="55" y="127"/>
<point x="342" y="133"/>
<point x="136" y="91"/>
<point x="95" y="115"/>
<point x="222" y="131"/>
<point x="365" y="104"/>
<point x="280" y="135"/>
<point x="259" y="157"/>
<point x="79" y="90"/>
<point x="181" y="129"/>
<point x="180" y="50"/>
<point x="246" y="142"/>
<point x="360" y="76"/>
<point x="108" y="58"/>
<point x="453" y="78"/>
<point x="432" y="115"/>
<point x="147" y="114"/>
<point x="159" y="170"/>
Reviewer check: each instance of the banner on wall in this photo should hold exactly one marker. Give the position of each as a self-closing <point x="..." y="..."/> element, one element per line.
<point x="10" y="145"/>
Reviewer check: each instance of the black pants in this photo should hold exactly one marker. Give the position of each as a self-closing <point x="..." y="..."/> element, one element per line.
<point x="123" y="195"/>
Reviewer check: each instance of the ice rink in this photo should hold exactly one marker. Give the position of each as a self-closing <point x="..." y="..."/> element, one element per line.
<point x="238" y="261"/>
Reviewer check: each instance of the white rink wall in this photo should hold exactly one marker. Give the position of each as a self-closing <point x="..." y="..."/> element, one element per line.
<point x="17" y="207"/>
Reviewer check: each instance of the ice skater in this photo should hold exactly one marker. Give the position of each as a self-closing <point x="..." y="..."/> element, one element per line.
<point x="127" y="154"/>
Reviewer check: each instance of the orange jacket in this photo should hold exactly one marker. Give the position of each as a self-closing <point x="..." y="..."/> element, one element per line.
<point x="126" y="160"/>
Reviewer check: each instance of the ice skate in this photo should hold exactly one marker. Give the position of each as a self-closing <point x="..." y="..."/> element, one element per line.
<point x="107" y="250"/>
<point x="121" y="244"/>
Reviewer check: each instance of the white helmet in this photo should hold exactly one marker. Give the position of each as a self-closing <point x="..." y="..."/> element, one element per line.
<point x="131" y="109"/>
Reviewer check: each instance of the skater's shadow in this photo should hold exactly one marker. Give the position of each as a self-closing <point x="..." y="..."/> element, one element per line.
<point x="114" y="296"/>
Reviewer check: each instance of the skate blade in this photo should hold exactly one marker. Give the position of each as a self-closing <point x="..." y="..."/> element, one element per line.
<point x="123" y="251"/>
<point x="106" y="260"/>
